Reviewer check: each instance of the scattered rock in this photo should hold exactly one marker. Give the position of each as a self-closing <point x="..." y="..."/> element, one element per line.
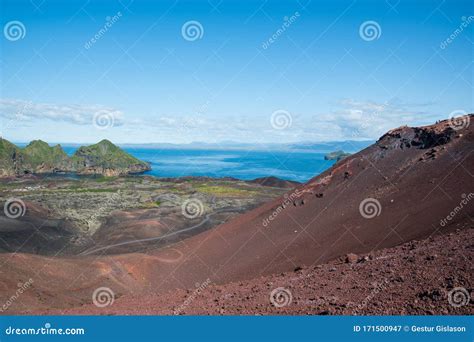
<point x="351" y="258"/>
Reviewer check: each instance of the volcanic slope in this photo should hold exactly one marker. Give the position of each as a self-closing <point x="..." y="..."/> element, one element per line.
<point x="399" y="189"/>
<point x="402" y="280"/>
<point x="411" y="184"/>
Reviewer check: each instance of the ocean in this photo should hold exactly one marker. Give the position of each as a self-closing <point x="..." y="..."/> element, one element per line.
<point x="244" y="164"/>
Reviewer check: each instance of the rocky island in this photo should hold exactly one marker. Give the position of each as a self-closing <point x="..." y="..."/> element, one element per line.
<point x="336" y="155"/>
<point x="103" y="158"/>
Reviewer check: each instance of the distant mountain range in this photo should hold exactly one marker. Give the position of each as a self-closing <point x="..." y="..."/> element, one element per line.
<point x="103" y="158"/>
<point x="320" y="147"/>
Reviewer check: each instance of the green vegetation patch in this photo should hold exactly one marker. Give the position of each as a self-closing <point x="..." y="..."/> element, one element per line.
<point x="151" y="205"/>
<point x="104" y="179"/>
<point x="223" y="190"/>
<point x="81" y="190"/>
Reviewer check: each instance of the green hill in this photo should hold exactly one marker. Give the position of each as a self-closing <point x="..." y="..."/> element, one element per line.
<point x="43" y="158"/>
<point x="103" y="158"/>
<point x="11" y="159"/>
<point x="108" y="159"/>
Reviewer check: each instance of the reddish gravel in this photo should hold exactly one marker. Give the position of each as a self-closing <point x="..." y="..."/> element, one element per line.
<point x="414" y="177"/>
<point x="414" y="278"/>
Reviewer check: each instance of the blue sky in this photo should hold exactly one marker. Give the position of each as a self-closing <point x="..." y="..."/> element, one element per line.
<point x="259" y="71"/>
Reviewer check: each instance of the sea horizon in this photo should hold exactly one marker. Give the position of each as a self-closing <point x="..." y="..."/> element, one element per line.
<point x="290" y="162"/>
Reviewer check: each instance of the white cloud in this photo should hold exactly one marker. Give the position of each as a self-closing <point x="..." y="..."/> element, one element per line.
<point x="350" y="120"/>
<point x="25" y="112"/>
<point x="369" y="120"/>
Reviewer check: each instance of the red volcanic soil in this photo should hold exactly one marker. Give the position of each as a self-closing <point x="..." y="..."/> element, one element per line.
<point x="416" y="176"/>
<point x="416" y="278"/>
<point x="402" y="188"/>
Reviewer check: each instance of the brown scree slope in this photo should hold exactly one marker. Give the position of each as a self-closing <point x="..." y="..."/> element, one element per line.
<point x="415" y="278"/>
